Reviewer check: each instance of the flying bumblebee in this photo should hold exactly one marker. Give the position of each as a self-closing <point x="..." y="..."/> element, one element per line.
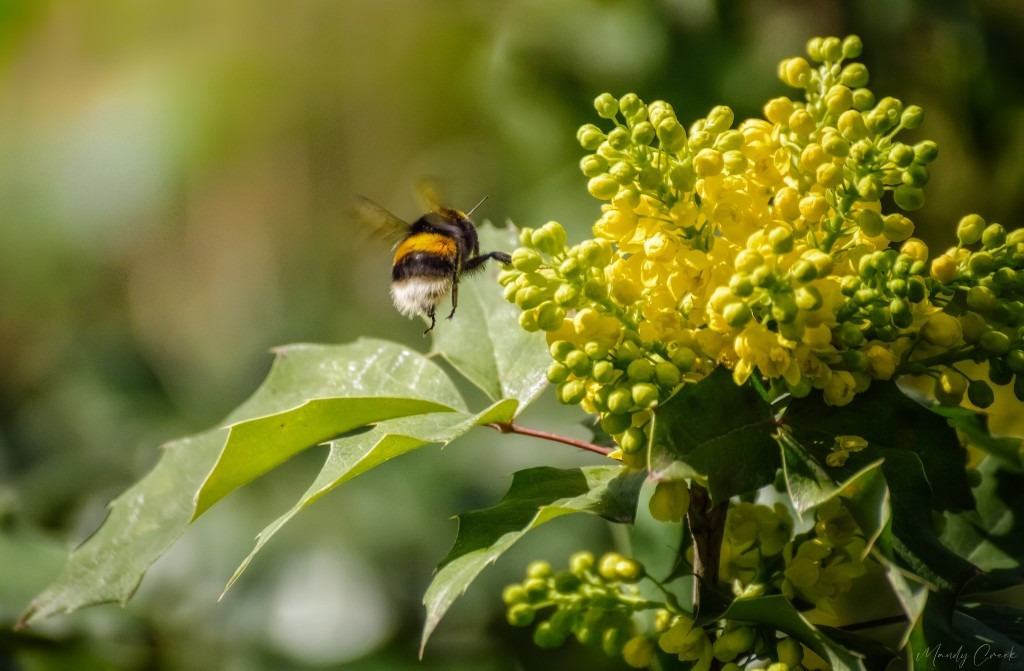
<point x="431" y="255"/>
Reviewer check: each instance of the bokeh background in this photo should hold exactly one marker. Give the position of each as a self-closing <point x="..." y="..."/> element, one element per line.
<point x="174" y="178"/>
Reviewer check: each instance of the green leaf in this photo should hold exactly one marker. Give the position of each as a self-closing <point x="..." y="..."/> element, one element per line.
<point x="923" y="465"/>
<point x="890" y="420"/>
<point x="808" y="482"/>
<point x="537" y="495"/>
<point x="151" y="515"/>
<point x="257" y="446"/>
<point x="992" y="537"/>
<point x="353" y="455"/>
<point x="778" y="612"/>
<point x="974" y="426"/>
<point x="719" y="431"/>
<point x="484" y="341"/>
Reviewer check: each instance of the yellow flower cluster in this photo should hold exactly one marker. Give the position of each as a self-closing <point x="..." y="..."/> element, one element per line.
<point x="764" y="246"/>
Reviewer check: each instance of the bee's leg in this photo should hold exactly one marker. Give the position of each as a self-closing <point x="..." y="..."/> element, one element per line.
<point x="477" y="261"/>
<point x="455" y="298"/>
<point x="432" y="321"/>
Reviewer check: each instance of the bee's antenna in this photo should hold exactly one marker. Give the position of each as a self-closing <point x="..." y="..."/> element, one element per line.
<point x="477" y="205"/>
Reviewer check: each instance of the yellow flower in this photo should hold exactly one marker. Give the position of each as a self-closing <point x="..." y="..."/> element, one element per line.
<point x="840" y="388"/>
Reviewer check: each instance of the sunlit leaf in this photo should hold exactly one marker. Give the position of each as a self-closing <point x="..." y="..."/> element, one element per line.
<point x="537" y="495"/>
<point x="350" y="456"/>
<point x="151" y="515"/>
<point x="716" y="430"/>
<point x="484" y="341"/>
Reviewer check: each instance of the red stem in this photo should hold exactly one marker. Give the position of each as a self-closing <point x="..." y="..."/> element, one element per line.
<point x="509" y="427"/>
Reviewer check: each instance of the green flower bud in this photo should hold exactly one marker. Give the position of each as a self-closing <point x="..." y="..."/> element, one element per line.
<point x="623" y="172"/>
<point x="593" y="165"/>
<point x="606" y="566"/>
<point x="613" y="425"/>
<point x="908" y="197"/>
<point x="557" y="372"/>
<point x="520" y="615"/>
<point x="1014" y="360"/>
<point x="855" y="360"/>
<point x="528" y="321"/>
<point x="942" y="329"/>
<point x="667" y="374"/>
<point x="719" y="119"/>
<point x="643" y="133"/>
<point x="595" y="290"/>
<point x="620" y="401"/>
<point x="671" y="135"/>
<point x="578" y="362"/>
<point x="606" y="105"/>
<point x="912" y="117"/>
<point x="814" y="49"/>
<point x="627" y="351"/>
<point x="581" y="563"/>
<point x="645" y="394"/>
<point x="784" y="308"/>
<point x="1018" y="387"/>
<point x="513" y="594"/>
<point x="981" y="264"/>
<point x="993" y="236"/>
<point x="603" y="372"/>
<point x="869" y="187"/>
<point x="970" y="228"/>
<point x="545" y="636"/>
<point x="640" y="370"/>
<point x="571" y="392"/>
<point x="808" y="298"/>
<point x="870" y="221"/>
<point x="863" y="99"/>
<point x="560" y="349"/>
<point x="897" y="228"/>
<point x="831" y="49"/>
<point x="852" y="46"/>
<point x="567" y="295"/>
<point x="781" y="239"/>
<point x="998" y="373"/>
<point x="629" y="570"/>
<point x="603" y="187"/>
<point x="980" y="394"/>
<point x="684" y="358"/>
<point x="981" y="299"/>
<point x="836" y="145"/>
<point x="736" y="314"/>
<point x="633" y="440"/>
<point x="995" y="342"/>
<point x="632" y="107"/>
<point x="915" y="175"/>
<point x="925" y="151"/>
<point x="852" y="335"/>
<point x="590" y="136"/>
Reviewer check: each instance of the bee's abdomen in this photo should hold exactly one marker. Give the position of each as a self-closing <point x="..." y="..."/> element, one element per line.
<point x="423" y="245"/>
<point x="422" y="264"/>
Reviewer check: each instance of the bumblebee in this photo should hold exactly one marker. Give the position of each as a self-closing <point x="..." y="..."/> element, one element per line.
<point x="431" y="255"/>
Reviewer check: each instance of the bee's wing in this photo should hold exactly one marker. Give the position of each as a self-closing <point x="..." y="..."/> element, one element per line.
<point x="429" y="191"/>
<point x="380" y="222"/>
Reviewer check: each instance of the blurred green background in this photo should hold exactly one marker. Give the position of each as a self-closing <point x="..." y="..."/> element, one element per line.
<point x="174" y="178"/>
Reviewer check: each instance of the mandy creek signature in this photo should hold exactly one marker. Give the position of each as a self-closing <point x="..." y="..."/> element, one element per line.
<point x="962" y="657"/>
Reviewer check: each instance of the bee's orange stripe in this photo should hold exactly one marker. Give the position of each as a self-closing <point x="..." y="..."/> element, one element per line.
<point x="432" y="243"/>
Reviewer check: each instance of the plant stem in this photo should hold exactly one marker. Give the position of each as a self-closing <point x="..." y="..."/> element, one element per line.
<point x="509" y="427"/>
<point x="707" y="526"/>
